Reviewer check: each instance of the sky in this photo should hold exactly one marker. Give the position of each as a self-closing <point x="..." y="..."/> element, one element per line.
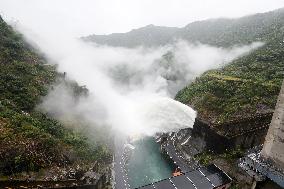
<point x="84" y="17"/>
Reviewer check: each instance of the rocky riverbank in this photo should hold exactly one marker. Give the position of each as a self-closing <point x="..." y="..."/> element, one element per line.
<point x="96" y="174"/>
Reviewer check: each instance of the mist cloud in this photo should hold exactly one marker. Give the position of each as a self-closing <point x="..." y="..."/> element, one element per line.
<point x="131" y="90"/>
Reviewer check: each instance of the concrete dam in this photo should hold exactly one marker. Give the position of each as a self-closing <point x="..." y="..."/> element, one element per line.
<point x="268" y="161"/>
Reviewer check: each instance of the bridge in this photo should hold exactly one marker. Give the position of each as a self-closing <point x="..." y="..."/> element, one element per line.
<point x="209" y="177"/>
<point x="175" y="157"/>
<point x="120" y="173"/>
<point x="268" y="161"/>
<point x="170" y="147"/>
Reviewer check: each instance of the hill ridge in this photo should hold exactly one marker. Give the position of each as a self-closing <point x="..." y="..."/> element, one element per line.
<point x="208" y="31"/>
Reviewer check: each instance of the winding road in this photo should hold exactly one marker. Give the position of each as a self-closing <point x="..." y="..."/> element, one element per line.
<point x="120" y="176"/>
<point x="178" y="160"/>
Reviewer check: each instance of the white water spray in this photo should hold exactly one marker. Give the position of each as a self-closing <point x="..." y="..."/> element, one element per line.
<point x="130" y="89"/>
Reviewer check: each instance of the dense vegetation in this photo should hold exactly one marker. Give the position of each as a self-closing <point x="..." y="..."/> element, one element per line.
<point x="206" y="157"/>
<point x="228" y="32"/>
<point x="29" y="139"/>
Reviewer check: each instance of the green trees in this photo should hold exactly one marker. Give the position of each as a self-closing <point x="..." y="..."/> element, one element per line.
<point x="29" y="139"/>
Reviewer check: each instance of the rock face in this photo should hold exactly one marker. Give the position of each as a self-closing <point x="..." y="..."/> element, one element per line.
<point x="273" y="148"/>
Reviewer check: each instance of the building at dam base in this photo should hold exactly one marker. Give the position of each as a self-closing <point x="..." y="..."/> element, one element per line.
<point x="210" y="177"/>
<point x="267" y="161"/>
<point x="273" y="148"/>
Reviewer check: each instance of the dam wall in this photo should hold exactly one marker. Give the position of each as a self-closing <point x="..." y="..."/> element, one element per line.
<point x="273" y="148"/>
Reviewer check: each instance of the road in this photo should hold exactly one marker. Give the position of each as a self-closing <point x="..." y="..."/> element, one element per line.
<point x="121" y="178"/>
<point x="177" y="159"/>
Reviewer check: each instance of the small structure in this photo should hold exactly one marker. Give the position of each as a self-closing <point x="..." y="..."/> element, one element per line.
<point x="260" y="168"/>
<point x="177" y="172"/>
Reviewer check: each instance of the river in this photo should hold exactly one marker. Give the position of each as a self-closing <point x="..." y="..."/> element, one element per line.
<point x="147" y="164"/>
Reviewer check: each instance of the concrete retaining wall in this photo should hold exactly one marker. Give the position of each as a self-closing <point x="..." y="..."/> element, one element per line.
<point x="273" y="148"/>
<point x="245" y="133"/>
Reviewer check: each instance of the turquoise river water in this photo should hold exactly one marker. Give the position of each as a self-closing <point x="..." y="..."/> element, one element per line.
<point x="147" y="164"/>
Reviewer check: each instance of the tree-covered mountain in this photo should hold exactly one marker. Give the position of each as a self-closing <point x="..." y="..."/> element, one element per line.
<point x="29" y="139"/>
<point x="248" y="85"/>
<point x="218" y="32"/>
<point x="228" y="32"/>
<point x="148" y="36"/>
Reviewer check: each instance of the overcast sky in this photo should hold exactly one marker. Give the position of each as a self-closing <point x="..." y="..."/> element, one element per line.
<point x="84" y="17"/>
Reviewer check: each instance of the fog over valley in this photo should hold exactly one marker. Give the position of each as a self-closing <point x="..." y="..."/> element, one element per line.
<point x="130" y="89"/>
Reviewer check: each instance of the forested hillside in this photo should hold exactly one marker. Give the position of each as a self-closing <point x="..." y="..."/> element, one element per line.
<point x="227" y="32"/>
<point x="247" y="86"/>
<point x="29" y="139"/>
<point x="222" y="32"/>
